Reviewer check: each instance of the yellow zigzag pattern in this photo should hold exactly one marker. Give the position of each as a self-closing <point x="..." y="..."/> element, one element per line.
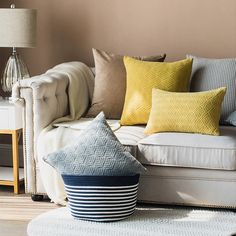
<point x="186" y="112"/>
<point x="142" y="77"/>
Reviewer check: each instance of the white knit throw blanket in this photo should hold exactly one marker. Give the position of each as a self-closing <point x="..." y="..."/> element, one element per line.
<point x="80" y="90"/>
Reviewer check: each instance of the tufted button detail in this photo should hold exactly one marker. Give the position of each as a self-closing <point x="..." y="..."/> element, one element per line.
<point x="45" y="99"/>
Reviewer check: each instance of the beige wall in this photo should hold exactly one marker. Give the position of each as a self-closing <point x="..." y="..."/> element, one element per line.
<point x="68" y="29"/>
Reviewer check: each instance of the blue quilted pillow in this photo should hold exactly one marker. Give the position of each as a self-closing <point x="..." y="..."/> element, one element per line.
<point x="96" y="151"/>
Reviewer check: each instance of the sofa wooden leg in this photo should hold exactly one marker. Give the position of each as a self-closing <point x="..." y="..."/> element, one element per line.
<point x="36" y="197"/>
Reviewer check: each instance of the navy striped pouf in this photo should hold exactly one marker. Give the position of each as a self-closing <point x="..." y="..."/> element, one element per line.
<point x="101" y="198"/>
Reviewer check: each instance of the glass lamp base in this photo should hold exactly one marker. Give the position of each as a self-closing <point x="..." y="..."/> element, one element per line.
<point x="14" y="71"/>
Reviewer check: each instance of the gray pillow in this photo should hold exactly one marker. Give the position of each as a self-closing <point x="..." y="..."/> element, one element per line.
<point x="231" y="120"/>
<point x="96" y="151"/>
<point x="208" y="74"/>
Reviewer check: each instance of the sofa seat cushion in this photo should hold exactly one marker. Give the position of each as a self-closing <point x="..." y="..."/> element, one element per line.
<point x="129" y="136"/>
<point x="190" y="150"/>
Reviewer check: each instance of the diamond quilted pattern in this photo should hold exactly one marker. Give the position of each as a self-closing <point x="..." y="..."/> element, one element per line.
<point x="96" y="151"/>
<point x="142" y="77"/>
<point x="186" y="112"/>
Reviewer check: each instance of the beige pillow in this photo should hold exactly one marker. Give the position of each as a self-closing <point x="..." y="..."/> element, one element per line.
<point x="110" y="83"/>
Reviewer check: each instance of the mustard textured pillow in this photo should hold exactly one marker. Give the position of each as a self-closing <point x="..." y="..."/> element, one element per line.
<point x="186" y="112"/>
<point x="142" y="77"/>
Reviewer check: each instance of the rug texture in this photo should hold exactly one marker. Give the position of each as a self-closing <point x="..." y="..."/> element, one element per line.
<point x="144" y="222"/>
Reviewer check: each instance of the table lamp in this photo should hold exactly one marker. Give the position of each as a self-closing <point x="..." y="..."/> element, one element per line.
<point x="17" y="30"/>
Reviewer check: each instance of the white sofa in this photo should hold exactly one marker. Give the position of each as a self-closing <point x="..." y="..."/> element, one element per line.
<point x="183" y="169"/>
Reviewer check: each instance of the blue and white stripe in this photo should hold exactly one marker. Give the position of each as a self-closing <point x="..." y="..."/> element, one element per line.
<point x="102" y="201"/>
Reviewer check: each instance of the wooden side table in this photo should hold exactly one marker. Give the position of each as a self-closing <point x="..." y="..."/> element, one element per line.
<point x="11" y="123"/>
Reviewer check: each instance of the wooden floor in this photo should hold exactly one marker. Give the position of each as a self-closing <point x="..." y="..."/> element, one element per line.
<point x="17" y="210"/>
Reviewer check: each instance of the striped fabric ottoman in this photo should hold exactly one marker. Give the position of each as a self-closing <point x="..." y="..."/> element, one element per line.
<point x="101" y="198"/>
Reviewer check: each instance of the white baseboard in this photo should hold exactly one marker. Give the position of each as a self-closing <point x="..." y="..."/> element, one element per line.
<point x="6" y="155"/>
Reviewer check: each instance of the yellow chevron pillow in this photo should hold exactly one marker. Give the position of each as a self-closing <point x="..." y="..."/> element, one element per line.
<point x="142" y="77"/>
<point x="186" y="112"/>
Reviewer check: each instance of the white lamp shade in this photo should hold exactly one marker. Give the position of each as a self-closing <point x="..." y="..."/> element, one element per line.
<point x="18" y="27"/>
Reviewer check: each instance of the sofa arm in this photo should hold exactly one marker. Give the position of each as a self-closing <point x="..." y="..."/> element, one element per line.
<point x="44" y="98"/>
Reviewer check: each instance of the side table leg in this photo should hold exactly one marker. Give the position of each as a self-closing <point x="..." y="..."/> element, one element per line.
<point x="15" y="157"/>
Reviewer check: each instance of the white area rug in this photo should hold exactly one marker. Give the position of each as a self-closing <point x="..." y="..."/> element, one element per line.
<point x="145" y="222"/>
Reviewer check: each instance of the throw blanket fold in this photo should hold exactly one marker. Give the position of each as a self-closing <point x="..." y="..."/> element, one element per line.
<point x="51" y="140"/>
<point x="80" y="91"/>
